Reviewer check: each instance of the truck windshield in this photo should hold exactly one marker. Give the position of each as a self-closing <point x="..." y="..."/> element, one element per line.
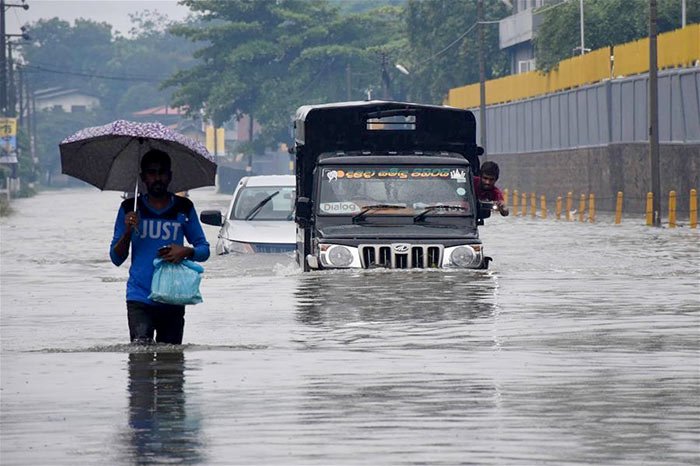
<point x="347" y="190"/>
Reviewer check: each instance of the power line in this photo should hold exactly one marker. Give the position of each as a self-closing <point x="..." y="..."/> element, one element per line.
<point x="544" y="9"/>
<point x="453" y="43"/>
<point x="40" y="68"/>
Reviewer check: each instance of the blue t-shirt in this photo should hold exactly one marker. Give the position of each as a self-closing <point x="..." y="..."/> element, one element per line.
<point x="156" y="228"/>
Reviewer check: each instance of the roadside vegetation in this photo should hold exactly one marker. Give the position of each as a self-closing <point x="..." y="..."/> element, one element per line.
<point x="266" y="58"/>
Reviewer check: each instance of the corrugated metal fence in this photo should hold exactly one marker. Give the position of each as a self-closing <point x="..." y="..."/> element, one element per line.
<point x="614" y="111"/>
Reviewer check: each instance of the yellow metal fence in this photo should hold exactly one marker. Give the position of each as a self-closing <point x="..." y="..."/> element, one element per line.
<point x="675" y="49"/>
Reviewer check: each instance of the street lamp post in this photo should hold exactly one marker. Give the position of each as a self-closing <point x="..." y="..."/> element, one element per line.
<point x="387" y="93"/>
<point x="11" y="90"/>
<point x="654" y="117"/>
<point x="583" y="42"/>
<point x="3" y="53"/>
<point x="683" y="13"/>
<point x="482" y="77"/>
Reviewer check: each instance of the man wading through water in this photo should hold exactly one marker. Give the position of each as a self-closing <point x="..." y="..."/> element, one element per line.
<point x="157" y="229"/>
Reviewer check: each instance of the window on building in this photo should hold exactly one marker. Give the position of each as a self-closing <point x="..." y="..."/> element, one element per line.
<point x="526" y="65"/>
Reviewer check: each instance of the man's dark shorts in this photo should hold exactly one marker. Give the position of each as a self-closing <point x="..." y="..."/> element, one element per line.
<point x="165" y="320"/>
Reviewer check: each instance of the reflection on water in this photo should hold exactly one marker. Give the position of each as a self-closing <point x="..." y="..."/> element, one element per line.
<point x="380" y="310"/>
<point x="389" y="296"/>
<point x="160" y="429"/>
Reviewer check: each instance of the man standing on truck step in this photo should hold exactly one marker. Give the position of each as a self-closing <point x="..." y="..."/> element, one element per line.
<point x="485" y="187"/>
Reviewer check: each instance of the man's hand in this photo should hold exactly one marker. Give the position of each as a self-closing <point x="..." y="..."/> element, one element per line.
<point x="502" y="208"/>
<point x="175" y="253"/>
<point x="131" y="220"/>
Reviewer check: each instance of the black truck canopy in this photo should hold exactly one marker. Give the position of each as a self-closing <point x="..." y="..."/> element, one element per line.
<point x="378" y="126"/>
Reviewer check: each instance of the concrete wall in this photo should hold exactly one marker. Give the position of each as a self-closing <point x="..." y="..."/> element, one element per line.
<point x="604" y="171"/>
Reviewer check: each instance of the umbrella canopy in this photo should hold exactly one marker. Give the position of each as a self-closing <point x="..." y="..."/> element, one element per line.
<point x="109" y="156"/>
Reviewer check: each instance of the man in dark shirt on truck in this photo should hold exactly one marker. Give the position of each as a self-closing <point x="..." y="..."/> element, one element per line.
<point x="485" y="187"/>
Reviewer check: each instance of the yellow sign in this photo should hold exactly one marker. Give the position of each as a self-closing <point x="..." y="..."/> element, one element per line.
<point x="8" y="127"/>
<point x="215" y="140"/>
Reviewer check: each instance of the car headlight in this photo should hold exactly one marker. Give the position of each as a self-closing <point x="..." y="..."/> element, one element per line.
<point x="465" y="256"/>
<point x="238" y="247"/>
<point x="339" y="256"/>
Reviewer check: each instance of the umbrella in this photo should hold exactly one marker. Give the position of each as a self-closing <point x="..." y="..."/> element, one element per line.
<point x="109" y="156"/>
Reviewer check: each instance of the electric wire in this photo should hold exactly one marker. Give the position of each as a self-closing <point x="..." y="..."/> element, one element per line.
<point x="44" y="69"/>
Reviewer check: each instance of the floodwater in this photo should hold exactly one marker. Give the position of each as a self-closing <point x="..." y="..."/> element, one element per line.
<point x="580" y="345"/>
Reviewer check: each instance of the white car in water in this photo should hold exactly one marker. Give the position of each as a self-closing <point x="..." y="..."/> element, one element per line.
<point x="260" y="218"/>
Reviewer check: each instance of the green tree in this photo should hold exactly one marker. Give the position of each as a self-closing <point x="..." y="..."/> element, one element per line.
<point x="606" y="23"/>
<point x="443" y="46"/>
<point x="124" y="73"/>
<point x="61" y="55"/>
<point x="362" y="6"/>
<point x="52" y="126"/>
<point x="250" y="46"/>
<point x="144" y="61"/>
<point x="265" y="58"/>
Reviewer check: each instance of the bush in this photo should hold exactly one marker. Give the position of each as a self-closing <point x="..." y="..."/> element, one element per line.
<point x="5" y="208"/>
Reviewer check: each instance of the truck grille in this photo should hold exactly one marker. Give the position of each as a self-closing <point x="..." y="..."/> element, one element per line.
<point x="400" y="256"/>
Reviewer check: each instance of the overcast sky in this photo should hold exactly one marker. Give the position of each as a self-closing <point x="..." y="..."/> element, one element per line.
<point x="114" y="12"/>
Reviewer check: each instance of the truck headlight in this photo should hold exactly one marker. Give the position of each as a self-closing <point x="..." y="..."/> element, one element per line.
<point x="465" y="256"/>
<point x="339" y="256"/>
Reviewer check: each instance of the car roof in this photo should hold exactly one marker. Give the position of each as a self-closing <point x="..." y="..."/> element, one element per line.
<point x="269" y="180"/>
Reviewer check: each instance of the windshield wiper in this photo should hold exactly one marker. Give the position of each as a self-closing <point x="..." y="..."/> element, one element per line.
<point x="421" y="216"/>
<point x="254" y="211"/>
<point x="358" y="217"/>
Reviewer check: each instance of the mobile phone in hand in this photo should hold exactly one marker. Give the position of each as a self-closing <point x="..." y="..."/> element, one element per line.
<point x="163" y="250"/>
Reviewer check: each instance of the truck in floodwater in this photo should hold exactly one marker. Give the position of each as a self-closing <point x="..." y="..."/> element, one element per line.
<point x="387" y="184"/>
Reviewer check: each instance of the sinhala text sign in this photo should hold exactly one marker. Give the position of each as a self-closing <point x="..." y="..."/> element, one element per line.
<point x="8" y="140"/>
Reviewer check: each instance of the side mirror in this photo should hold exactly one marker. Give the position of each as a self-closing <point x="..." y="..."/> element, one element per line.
<point x="303" y="211"/>
<point x="485" y="209"/>
<point x="211" y="217"/>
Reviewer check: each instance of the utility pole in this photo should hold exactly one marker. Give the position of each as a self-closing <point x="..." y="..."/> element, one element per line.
<point x="348" y="80"/>
<point x="583" y="43"/>
<point x="11" y="90"/>
<point x="3" y="61"/>
<point x="386" y="79"/>
<point x="251" y="134"/>
<point x="31" y="122"/>
<point x="4" y="105"/>
<point x="20" y="97"/>
<point x="482" y="76"/>
<point x="654" y="116"/>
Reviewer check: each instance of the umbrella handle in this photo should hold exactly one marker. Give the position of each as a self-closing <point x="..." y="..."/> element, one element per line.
<point x="136" y="202"/>
<point x="136" y="195"/>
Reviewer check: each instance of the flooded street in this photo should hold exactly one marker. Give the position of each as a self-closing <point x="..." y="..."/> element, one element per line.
<point x="580" y="345"/>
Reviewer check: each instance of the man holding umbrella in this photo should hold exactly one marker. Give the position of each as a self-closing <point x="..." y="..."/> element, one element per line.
<point x="156" y="228"/>
<point x="120" y="156"/>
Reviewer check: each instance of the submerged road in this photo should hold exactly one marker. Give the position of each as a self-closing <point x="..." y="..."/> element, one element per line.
<point x="580" y="345"/>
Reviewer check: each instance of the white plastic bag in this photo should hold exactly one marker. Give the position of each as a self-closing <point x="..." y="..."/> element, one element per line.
<point x="176" y="283"/>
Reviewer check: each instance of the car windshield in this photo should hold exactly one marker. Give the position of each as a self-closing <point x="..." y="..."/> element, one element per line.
<point x="348" y="190"/>
<point x="278" y="206"/>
